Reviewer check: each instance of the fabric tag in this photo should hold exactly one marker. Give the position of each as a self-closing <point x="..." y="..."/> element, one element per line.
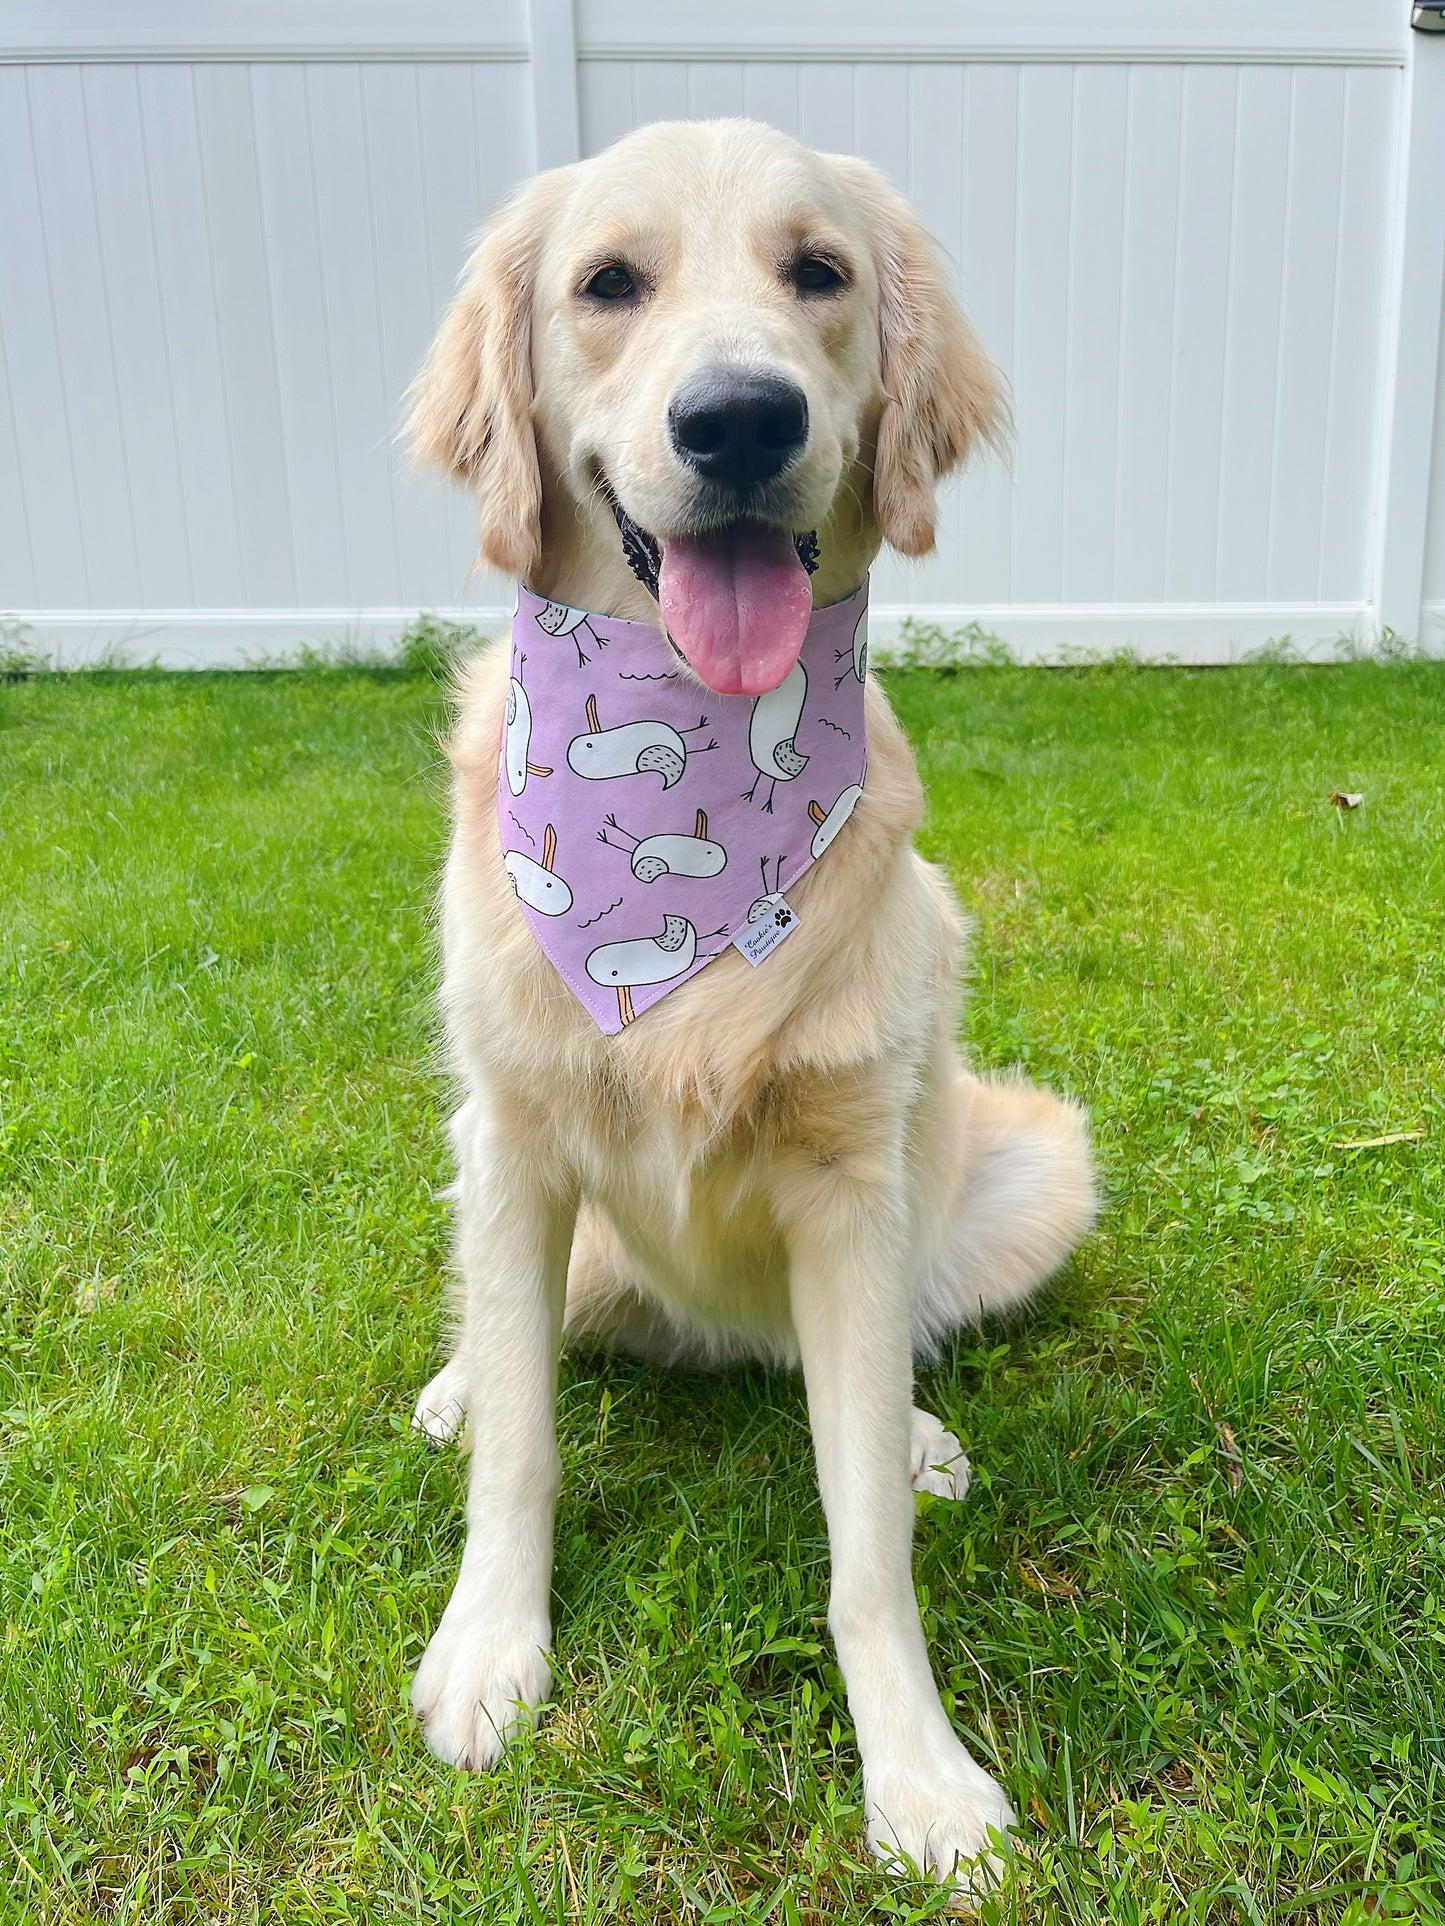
<point x="770" y="919"/>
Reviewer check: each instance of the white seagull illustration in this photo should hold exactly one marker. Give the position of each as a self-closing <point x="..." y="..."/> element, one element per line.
<point x="557" y="619"/>
<point x="535" y="883"/>
<point x="641" y="960"/>
<point x="831" y="821"/>
<point x="669" y="854"/>
<point x="518" y="736"/>
<point x="765" y="904"/>
<point x="771" y="731"/>
<point x="859" y="664"/>
<point x="633" y="748"/>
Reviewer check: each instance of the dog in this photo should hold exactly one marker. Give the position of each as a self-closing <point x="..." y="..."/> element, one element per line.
<point x="701" y="343"/>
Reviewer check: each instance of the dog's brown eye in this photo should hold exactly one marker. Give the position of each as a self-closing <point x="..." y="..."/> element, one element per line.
<point x="813" y="275"/>
<point x="611" y="283"/>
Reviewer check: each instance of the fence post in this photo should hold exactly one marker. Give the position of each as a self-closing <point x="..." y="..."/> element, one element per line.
<point x="1412" y="344"/>
<point x="552" y="40"/>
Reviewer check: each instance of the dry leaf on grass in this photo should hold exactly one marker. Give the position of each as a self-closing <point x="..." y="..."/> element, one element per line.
<point x="1040" y="1576"/>
<point x="1229" y="1450"/>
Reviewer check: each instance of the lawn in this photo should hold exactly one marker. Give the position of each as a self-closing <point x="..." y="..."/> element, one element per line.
<point x="1193" y="1609"/>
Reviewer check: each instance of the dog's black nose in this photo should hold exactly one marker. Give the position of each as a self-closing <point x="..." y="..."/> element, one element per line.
<point x="738" y="428"/>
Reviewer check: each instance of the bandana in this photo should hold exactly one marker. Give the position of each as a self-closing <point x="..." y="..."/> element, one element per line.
<point x="649" y="824"/>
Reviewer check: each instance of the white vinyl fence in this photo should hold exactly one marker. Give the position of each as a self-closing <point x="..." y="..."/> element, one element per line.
<point x="1203" y="238"/>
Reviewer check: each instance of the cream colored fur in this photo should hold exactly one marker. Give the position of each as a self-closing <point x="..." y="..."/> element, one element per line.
<point x="793" y="1162"/>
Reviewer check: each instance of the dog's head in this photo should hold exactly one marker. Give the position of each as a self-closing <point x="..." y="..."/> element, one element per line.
<point x="734" y="341"/>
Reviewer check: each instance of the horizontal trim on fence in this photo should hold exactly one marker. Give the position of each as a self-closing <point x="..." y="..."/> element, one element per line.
<point x="86" y="30"/>
<point x="1203" y="633"/>
<point x="1063" y="53"/>
<point x="1303" y="32"/>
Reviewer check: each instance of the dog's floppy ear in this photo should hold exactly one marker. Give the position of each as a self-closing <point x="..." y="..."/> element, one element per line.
<point x="471" y="405"/>
<point x="942" y="396"/>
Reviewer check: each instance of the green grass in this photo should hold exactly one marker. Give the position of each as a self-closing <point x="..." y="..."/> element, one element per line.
<point x="220" y="1144"/>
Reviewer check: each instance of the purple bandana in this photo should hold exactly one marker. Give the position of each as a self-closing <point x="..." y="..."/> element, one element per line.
<point x="647" y="823"/>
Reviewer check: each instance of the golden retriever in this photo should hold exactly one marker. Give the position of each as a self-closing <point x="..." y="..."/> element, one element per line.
<point x="790" y="1163"/>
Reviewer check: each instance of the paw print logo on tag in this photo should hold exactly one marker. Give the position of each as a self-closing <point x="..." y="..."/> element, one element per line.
<point x="783" y="916"/>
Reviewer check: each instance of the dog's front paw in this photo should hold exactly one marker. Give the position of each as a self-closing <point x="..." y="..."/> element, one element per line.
<point x="936" y="1818"/>
<point x="477" y="1688"/>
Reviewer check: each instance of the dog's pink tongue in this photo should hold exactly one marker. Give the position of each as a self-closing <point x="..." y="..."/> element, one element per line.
<point x="737" y="604"/>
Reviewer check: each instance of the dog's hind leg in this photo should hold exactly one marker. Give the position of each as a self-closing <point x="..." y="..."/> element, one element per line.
<point x="441" y="1410"/>
<point x="936" y="1459"/>
<point x="602" y="1312"/>
<point x="606" y="1311"/>
<point x="1021" y="1197"/>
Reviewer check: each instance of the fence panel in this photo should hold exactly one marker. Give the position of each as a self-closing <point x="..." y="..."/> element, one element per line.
<point x="1202" y="249"/>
